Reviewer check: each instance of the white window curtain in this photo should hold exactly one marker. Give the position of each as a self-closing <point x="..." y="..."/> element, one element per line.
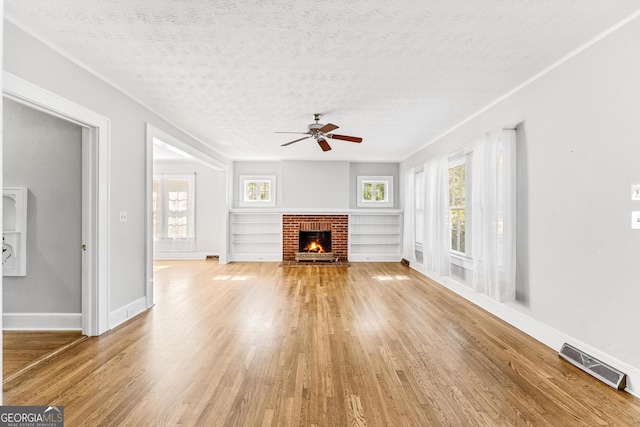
<point x="418" y="207"/>
<point x="409" y="242"/>
<point x="436" y="243"/>
<point x="174" y="212"/>
<point x="494" y="215"/>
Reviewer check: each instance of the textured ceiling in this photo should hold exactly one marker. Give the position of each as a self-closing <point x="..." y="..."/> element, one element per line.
<point x="397" y="74"/>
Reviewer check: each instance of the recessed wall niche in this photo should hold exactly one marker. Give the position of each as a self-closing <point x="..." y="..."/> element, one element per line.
<point x="14" y="231"/>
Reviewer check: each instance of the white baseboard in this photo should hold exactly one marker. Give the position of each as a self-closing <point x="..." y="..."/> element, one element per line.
<point x="255" y="257"/>
<point x="42" y="321"/>
<point x="544" y="333"/>
<point x="121" y="315"/>
<point x="374" y="258"/>
<point x="633" y="374"/>
<point x="182" y="255"/>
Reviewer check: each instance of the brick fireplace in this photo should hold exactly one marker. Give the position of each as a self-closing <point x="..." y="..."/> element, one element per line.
<point x="293" y="224"/>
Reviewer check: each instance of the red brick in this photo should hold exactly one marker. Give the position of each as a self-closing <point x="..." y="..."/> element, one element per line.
<point x="291" y="224"/>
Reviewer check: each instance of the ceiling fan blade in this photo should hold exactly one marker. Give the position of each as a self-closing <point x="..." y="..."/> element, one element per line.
<point x="300" y="133"/>
<point x="324" y="144"/>
<point x="328" y="128"/>
<point x="345" y="138"/>
<point x="295" y="140"/>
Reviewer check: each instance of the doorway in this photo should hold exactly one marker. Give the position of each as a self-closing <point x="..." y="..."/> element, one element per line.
<point x="43" y="156"/>
<point x="211" y="176"/>
<point x="95" y="198"/>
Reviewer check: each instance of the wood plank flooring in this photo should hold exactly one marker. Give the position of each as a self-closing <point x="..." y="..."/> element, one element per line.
<point x="374" y="344"/>
<point x="22" y="349"/>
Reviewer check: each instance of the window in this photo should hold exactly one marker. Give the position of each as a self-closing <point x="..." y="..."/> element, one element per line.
<point x="419" y="206"/>
<point x="459" y="203"/>
<point x="375" y="191"/>
<point x="174" y="212"/>
<point x="257" y="191"/>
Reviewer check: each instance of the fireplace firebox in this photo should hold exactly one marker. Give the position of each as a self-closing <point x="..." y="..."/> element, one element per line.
<point x="314" y="241"/>
<point x="314" y="245"/>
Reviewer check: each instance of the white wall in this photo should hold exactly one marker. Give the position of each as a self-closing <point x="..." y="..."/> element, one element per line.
<point x="1" y="160"/>
<point x="44" y="153"/>
<point x="210" y="211"/>
<point x="578" y="154"/>
<point x="31" y="60"/>
<point x="301" y="184"/>
<point x="255" y="168"/>
<point x="373" y="169"/>
<point x="313" y="184"/>
<point x="322" y="185"/>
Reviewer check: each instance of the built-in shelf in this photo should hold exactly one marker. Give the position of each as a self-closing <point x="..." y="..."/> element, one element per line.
<point x="389" y="233"/>
<point x="255" y="222"/>
<point x="375" y="236"/>
<point x="375" y="243"/>
<point x="255" y="236"/>
<point x="14" y="231"/>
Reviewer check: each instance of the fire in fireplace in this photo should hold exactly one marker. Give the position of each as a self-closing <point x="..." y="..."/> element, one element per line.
<point x="314" y="241"/>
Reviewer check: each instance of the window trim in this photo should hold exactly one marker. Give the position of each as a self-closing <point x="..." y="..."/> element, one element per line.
<point x="242" y="191"/>
<point x="387" y="203"/>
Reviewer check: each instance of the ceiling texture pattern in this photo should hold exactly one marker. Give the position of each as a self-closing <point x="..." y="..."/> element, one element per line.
<point x="398" y="74"/>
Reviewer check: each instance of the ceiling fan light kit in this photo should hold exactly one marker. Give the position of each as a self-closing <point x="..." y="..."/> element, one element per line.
<point x="320" y="132"/>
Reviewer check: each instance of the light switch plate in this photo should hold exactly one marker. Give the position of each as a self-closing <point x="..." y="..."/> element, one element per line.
<point x="123" y="217"/>
<point x="635" y="220"/>
<point x="635" y="192"/>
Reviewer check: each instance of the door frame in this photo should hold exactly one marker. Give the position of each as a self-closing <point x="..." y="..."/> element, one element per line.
<point x="95" y="193"/>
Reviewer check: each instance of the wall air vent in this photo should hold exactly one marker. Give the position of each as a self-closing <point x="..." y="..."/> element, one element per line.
<point x="594" y="367"/>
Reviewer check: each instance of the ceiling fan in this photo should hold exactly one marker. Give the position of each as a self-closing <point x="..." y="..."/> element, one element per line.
<point x="320" y="133"/>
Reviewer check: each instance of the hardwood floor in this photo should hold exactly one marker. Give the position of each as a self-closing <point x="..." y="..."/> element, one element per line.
<point x="23" y="349"/>
<point x="257" y="344"/>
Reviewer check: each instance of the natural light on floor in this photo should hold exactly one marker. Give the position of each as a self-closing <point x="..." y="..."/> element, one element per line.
<point x="387" y="278"/>
<point x="231" y="278"/>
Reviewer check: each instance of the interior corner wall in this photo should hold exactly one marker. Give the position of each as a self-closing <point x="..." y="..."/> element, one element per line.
<point x="32" y="60"/>
<point x="209" y="207"/>
<point x="578" y="151"/>
<point x="44" y="154"/>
